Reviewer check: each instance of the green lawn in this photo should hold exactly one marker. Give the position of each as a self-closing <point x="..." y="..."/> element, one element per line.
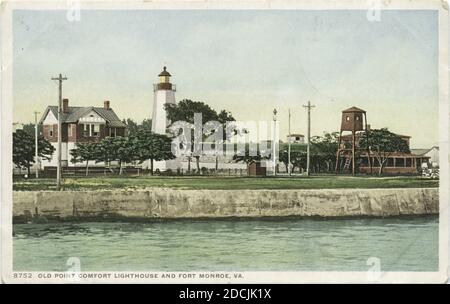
<point x="226" y="183"/>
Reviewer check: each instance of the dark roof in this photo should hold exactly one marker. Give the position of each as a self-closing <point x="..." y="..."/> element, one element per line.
<point x="354" y="109"/>
<point x="164" y="73"/>
<point x="73" y="114"/>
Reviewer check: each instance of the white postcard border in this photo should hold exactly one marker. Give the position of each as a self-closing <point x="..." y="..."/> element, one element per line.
<point x="249" y="277"/>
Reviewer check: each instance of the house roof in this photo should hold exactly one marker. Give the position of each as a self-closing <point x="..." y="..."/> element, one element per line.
<point x="423" y="151"/>
<point x="73" y="114"/>
<point x="296" y="134"/>
<point x="360" y="133"/>
<point x="354" y="109"/>
<point x="419" y="151"/>
<point x="164" y="73"/>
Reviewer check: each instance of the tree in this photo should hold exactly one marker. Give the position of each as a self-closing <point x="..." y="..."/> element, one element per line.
<point x="146" y="124"/>
<point x="120" y="149"/>
<point x="245" y="157"/>
<point x="84" y="152"/>
<point x="24" y="149"/>
<point x="185" y="111"/>
<point x="382" y="144"/>
<point x="284" y="158"/>
<point x="106" y="151"/>
<point x="325" y="148"/>
<point x="134" y="127"/>
<point x="152" y="146"/>
<point x="298" y="159"/>
<point x="29" y="128"/>
<point x="224" y="117"/>
<point x="125" y="150"/>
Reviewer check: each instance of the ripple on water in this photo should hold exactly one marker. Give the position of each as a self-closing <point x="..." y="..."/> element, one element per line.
<point x="293" y="245"/>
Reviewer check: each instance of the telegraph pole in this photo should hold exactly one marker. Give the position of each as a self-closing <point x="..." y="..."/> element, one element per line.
<point x="36" y="154"/>
<point x="274" y="142"/>
<point x="289" y="143"/>
<point x="58" y="170"/>
<point x="309" y="106"/>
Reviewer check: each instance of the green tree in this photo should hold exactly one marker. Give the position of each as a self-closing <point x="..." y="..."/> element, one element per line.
<point x="105" y="151"/>
<point x="382" y="144"/>
<point x="185" y="111"/>
<point x="29" y="128"/>
<point x="126" y="150"/>
<point x="152" y="146"/>
<point x="84" y="152"/>
<point x="146" y="124"/>
<point x="246" y="157"/>
<point x="325" y="148"/>
<point x="134" y="127"/>
<point x="224" y="117"/>
<point x="284" y="157"/>
<point x="24" y="149"/>
<point x="298" y="160"/>
<point x="120" y="149"/>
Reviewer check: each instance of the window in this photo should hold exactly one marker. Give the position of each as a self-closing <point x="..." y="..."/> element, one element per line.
<point x="112" y="132"/>
<point x="347" y="118"/>
<point x="357" y="118"/>
<point x="408" y="162"/>
<point x="86" y="130"/>
<point x="375" y="162"/>
<point x="364" y="162"/>
<point x="297" y="138"/>
<point x="91" y="130"/>
<point x="400" y="162"/>
<point x="69" y="127"/>
<point x="50" y="133"/>
<point x="95" y="130"/>
<point x="390" y="162"/>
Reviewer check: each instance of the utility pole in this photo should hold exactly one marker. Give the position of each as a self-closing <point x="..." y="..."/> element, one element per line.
<point x="289" y="143"/>
<point x="309" y="106"/>
<point x="274" y="142"/>
<point x="36" y="154"/>
<point x="58" y="170"/>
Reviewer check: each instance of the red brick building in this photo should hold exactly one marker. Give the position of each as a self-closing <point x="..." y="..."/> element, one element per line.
<point x="79" y="125"/>
<point x="397" y="163"/>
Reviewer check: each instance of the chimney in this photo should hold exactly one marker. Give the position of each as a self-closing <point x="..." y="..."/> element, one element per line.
<point x="106" y="104"/>
<point x="65" y="105"/>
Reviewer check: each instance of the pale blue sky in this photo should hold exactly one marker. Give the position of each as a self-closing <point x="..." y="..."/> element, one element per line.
<point x="247" y="62"/>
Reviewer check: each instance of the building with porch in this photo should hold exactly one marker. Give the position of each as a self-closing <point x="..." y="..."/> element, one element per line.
<point x="79" y="125"/>
<point x="351" y="156"/>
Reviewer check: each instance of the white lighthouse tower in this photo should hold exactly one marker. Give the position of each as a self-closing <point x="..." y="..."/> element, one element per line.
<point x="164" y="92"/>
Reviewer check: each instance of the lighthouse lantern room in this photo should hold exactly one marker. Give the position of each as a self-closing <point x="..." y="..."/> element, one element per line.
<point x="164" y="92"/>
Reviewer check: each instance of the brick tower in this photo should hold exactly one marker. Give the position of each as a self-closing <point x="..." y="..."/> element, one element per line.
<point x="354" y="120"/>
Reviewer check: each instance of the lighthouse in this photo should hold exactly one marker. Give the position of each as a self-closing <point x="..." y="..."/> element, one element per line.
<point x="164" y="92"/>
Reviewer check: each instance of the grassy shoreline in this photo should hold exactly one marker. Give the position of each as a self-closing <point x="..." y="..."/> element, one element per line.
<point x="225" y="183"/>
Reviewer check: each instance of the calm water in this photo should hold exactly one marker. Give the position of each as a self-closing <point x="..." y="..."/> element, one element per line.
<point x="405" y="244"/>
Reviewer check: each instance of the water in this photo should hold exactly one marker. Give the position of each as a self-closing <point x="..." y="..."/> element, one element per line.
<point x="401" y="244"/>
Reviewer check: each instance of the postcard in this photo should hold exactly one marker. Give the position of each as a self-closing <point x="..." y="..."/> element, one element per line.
<point x="224" y="142"/>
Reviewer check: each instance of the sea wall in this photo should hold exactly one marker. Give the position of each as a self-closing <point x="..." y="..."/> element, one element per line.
<point x="171" y="203"/>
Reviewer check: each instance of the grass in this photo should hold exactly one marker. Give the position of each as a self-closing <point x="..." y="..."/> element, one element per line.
<point x="225" y="183"/>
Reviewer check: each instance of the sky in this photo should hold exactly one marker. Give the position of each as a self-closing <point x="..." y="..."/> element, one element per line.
<point x="247" y="62"/>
